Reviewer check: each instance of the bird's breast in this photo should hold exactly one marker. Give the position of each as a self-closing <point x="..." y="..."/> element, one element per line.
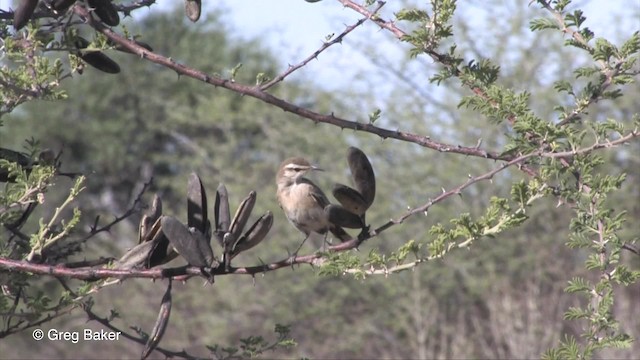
<point x="302" y="209"/>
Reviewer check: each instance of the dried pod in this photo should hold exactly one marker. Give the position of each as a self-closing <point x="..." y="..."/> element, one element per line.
<point x="144" y="228"/>
<point x="364" y="178"/>
<point x="152" y="251"/>
<point x="242" y="215"/>
<point x="60" y="6"/>
<point x="139" y="43"/>
<point x="136" y="257"/>
<point x="47" y="157"/>
<point x="162" y="253"/>
<point x="156" y="208"/>
<point x="254" y="235"/>
<point x="12" y="156"/>
<point x="96" y="58"/>
<point x="149" y="219"/>
<point x="106" y="11"/>
<point x="101" y="62"/>
<point x="350" y="199"/>
<point x="193" y="8"/>
<point x="161" y="323"/>
<point x="197" y="205"/>
<point x="192" y="245"/>
<point x="15" y="156"/>
<point x="340" y="216"/>
<point x="23" y="13"/>
<point x="222" y="214"/>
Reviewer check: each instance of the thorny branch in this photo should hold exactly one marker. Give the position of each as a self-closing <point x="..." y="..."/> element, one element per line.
<point x="337" y="40"/>
<point x="313" y="259"/>
<point x="258" y="93"/>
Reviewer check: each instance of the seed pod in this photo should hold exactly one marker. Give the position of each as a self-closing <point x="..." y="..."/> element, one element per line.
<point x="192" y="245"/>
<point x="242" y="216"/>
<point x="136" y="257"/>
<point x="222" y="215"/>
<point x="364" y="178"/>
<point x="12" y="156"/>
<point x="153" y="250"/>
<point x="197" y="205"/>
<point x="23" y="13"/>
<point x="105" y="11"/>
<point x="101" y="62"/>
<point x="60" y="6"/>
<point x="47" y="157"/>
<point x="123" y="49"/>
<point x="96" y="59"/>
<point x="156" y="208"/>
<point x="161" y="323"/>
<point x="162" y="253"/>
<point x="192" y="9"/>
<point x="144" y="228"/>
<point x="340" y="216"/>
<point x="254" y="235"/>
<point x="350" y="199"/>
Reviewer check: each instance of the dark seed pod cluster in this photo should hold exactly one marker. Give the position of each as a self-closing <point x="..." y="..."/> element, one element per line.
<point x="354" y="202"/>
<point x="23" y="13"/>
<point x="230" y="232"/>
<point x="105" y="11"/>
<point x="96" y="59"/>
<point x="161" y="238"/>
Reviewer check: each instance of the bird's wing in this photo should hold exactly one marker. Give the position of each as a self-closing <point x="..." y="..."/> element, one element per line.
<point x="317" y="193"/>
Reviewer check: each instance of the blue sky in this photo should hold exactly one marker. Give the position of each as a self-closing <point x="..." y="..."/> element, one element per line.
<point x="295" y="28"/>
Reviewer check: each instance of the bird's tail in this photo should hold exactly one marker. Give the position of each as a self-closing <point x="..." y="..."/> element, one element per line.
<point x="339" y="232"/>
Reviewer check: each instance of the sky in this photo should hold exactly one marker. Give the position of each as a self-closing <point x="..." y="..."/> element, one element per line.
<point x="296" y="28"/>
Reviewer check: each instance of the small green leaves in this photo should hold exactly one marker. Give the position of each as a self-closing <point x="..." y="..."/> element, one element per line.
<point x="414" y="15"/>
<point x="262" y="78"/>
<point x="630" y="46"/>
<point x="543" y="23"/>
<point x="235" y="70"/>
<point x="375" y="115"/>
<point x="604" y="50"/>
<point x="575" y="19"/>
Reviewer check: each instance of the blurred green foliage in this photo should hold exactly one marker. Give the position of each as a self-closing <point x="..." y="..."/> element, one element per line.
<point x="502" y="297"/>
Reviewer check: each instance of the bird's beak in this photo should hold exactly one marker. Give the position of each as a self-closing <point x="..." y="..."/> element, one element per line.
<point x="313" y="167"/>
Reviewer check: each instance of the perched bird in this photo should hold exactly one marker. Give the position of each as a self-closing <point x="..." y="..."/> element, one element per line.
<point x="302" y="201"/>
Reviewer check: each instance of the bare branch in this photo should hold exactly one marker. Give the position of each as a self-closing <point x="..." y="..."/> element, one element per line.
<point x="324" y="46"/>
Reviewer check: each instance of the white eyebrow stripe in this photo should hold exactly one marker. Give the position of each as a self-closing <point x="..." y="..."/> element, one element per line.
<point x="293" y="167"/>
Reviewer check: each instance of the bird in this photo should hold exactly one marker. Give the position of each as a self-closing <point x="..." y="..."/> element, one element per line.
<point x="302" y="201"/>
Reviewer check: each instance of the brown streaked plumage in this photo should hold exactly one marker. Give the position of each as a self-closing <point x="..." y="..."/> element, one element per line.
<point x="302" y="201"/>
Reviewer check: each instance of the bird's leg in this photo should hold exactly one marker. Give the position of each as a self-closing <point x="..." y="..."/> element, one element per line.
<point x="295" y="253"/>
<point x="324" y="242"/>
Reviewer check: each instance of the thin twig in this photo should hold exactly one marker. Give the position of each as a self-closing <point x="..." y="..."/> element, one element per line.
<point x="316" y="53"/>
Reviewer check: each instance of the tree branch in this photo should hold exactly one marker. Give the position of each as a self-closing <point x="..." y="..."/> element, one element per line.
<point x="258" y="93"/>
<point x="324" y="46"/>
